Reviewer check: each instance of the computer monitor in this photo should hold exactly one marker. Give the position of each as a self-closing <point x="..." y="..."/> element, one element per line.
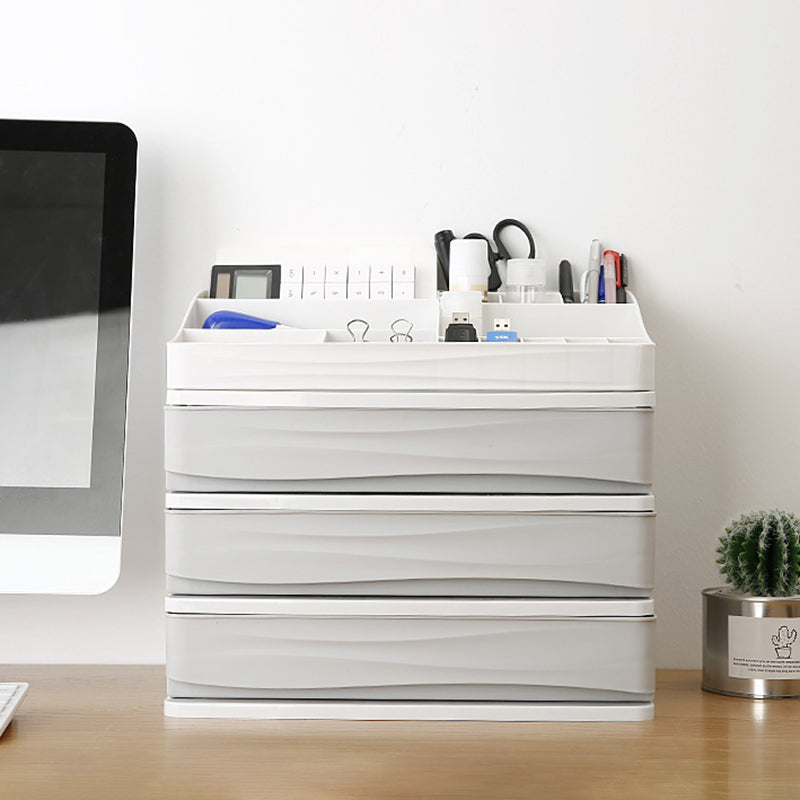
<point x="66" y="252"/>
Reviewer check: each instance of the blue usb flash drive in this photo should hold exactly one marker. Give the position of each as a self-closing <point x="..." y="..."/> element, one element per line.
<point x="233" y="319"/>
<point x="501" y="332"/>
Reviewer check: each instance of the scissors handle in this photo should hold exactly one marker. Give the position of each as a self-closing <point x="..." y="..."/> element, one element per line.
<point x="502" y="250"/>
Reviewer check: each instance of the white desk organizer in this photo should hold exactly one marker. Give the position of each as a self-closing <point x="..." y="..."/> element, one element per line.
<point x="323" y="493"/>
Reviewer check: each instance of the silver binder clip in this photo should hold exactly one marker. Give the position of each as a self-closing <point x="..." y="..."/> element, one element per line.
<point x="401" y="333"/>
<point x="359" y="334"/>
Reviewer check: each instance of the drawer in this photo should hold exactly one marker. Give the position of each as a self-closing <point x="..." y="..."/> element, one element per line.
<point x="524" y="546"/>
<point x="408" y="448"/>
<point x="411" y="649"/>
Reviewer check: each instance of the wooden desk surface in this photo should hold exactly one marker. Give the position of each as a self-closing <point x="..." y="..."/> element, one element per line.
<point x="98" y="732"/>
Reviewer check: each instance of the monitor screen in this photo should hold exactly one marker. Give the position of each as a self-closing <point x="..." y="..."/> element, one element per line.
<point x="66" y="242"/>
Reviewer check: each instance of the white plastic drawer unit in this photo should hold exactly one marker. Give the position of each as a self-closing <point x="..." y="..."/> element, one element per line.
<point x="410" y="649"/>
<point x="513" y="546"/>
<point x="507" y="443"/>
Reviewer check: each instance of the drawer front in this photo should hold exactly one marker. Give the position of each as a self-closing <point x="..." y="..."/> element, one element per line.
<point x="393" y="552"/>
<point x="408" y="450"/>
<point x="408" y="658"/>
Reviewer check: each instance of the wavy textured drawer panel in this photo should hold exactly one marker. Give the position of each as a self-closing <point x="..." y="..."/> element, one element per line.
<point x="408" y="450"/>
<point x="412" y="653"/>
<point x="400" y="552"/>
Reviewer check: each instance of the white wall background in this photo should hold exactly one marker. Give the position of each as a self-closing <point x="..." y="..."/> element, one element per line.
<point x="669" y="129"/>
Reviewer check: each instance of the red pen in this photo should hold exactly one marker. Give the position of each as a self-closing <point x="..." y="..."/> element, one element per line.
<point x="611" y="275"/>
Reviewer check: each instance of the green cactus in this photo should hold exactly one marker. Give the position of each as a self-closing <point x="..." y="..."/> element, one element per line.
<point x="760" y="553"/>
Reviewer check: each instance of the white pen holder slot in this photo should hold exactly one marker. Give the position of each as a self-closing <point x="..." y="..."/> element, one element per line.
<point x="571" y="321"/>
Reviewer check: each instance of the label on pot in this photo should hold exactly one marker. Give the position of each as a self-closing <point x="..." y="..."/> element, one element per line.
<point x="765" y="648"/>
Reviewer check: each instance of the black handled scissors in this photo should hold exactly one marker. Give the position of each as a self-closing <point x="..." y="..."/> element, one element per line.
<point x="500" y="251"/>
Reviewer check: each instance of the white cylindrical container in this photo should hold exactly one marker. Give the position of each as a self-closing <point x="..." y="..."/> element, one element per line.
<point x="469" y="265"/>
<point x="525" y="277"/>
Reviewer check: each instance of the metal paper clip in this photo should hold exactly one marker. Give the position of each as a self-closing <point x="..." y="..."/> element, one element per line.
<point x="362" y="333"/>
<point x="403" y="332"/>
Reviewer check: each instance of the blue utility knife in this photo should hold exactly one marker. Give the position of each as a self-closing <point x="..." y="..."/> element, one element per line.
<point x="234" y="319"/>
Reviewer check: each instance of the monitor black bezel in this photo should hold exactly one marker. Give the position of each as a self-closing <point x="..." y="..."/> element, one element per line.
<point x="95" y="510"/>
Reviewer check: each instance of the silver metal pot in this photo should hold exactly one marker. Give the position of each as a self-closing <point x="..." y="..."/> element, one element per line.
<point x="751" y="645"/>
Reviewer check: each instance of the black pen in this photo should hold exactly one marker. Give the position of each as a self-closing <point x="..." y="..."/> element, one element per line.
<point x="565" y="281"/>
<point x="622" y="296"/>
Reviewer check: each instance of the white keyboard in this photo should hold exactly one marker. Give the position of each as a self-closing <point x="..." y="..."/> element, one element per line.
<point x="11" y="695"/>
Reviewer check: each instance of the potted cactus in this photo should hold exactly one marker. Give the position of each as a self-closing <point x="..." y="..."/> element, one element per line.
<point x="750" y="628"/>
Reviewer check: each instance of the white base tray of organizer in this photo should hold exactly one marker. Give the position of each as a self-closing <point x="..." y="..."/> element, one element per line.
<point x="422" y="711"/>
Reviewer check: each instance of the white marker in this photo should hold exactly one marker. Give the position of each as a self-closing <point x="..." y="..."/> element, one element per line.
<point x="591" y="278"/>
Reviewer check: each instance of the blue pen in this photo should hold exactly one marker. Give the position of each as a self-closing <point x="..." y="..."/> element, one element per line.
<point x="236" y="320"/>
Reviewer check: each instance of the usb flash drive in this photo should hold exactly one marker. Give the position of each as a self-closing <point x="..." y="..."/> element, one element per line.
<point x="460" y="329"/>
<point x="501" y="332"/>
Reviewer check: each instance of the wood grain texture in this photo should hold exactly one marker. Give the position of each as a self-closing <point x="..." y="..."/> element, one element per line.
<point x="98" y="732"/>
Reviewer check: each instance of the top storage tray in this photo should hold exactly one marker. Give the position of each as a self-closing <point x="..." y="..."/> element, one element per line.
<point x="573" y="347"/>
